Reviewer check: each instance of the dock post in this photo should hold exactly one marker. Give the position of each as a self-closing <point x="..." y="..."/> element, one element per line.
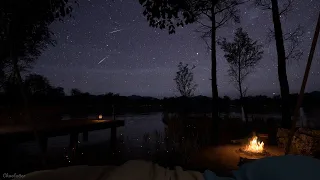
<point x="85" y="136"/>
<point x="44" y="144"/>
<point x="113" y="113"/>
<point x="113" y="139"/>
<point x="73" y="140"/>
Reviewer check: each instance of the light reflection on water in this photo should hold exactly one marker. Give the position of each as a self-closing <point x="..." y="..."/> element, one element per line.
<point x="135" y="127"/>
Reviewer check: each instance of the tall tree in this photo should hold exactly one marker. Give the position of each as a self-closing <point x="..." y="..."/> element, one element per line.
<point x="24" y="32"/>
<point x="209" y="14"/>
<point x="184" y="80"/>
<point x="281" y="51"/>
<point x="243" y="54"/>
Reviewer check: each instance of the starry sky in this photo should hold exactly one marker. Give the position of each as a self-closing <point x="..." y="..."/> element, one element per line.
<point x="108" y="46"/>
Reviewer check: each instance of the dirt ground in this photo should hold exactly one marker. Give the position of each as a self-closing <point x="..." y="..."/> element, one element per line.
<point x="223" y="159"/>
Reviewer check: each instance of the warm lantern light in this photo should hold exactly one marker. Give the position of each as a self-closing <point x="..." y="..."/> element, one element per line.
<point x="100" y="116"/>
<point x="254" y="146"/>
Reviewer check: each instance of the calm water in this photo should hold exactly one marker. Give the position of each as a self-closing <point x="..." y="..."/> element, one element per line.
<point x="131" y="145"/>
<point x="136" y="126"/>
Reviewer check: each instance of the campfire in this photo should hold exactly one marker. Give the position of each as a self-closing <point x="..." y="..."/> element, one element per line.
<point x="254" y="146"/>
<point x="252" y="150"/>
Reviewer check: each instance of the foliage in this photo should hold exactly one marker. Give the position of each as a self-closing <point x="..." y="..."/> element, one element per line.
<point x="287" y="6"/>
<point x="75" y="92"/>
<point x="242" y="54"/>
<point x="184" y="80"/>
<point x="210" y="14"/>
<point x="166" y="14"/>
<point x="24" y="28"/>
<point x="37" y="84"/>
<point x="57" y="91"/>
<point x="2" y="75"/>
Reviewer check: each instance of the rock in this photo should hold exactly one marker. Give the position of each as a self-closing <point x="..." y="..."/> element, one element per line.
<point x="305" y="141"/>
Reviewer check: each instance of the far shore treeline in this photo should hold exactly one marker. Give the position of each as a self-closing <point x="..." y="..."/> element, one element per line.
<point x="47" y="101"/>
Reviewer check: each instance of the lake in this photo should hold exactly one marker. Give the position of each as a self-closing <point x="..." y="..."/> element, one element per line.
<point x="136" y="126"/>
<point x="142" y="135"/>
<point x="132" y="135"/>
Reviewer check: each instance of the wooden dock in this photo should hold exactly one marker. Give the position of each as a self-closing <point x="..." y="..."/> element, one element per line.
<point x="23" y="133"/>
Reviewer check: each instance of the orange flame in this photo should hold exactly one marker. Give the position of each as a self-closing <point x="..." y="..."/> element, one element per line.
<point x="255" y="146"/>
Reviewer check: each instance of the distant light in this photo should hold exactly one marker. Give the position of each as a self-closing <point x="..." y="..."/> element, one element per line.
<point x="100" y="116"/>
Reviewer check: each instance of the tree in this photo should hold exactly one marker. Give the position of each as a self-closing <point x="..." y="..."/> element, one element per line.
<point x="57" y="92"/>
<point x="242" y="54"/>
<point x="11" y="89"/>
<point x="37" y="85"/>
<point x="184" y="80"/>
<point x="75" y="92"/>
<point x="2" y="75"/>
<point x="210" y="14"/>
<point x="281" y="51"/>
<point x="24" y="32"/>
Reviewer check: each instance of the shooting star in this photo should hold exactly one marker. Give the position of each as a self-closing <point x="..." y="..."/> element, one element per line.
<point x="102" y="59"/>
<point x="118" y="30"/>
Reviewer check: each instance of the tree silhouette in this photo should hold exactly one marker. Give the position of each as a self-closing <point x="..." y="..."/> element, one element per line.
<point x="292" y="41"/>
<point x="24" y="34"/>
<point x="57" y="91"/>
<point x="2" y="75"/>
<point x="209" y="14"/>
<point x="280" y="38"/>
<point x="184" y="80"/>
<point x="75" y="92"/>
<point x="37" y="84"/>
<point x="11" y="88"/>
<point x="242" y="54"/>
<point x="24" y="31"/>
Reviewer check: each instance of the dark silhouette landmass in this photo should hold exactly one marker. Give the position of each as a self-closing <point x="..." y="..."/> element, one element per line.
<point x="51" y="103"/>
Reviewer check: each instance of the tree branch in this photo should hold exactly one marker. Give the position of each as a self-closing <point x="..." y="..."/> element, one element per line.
<point x="264" y="4"/>
<point x="294" y="40"/>
<point x="287" y="7"/>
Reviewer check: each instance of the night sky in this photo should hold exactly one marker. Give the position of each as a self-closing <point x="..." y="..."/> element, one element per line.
<point x="108" y="46"/>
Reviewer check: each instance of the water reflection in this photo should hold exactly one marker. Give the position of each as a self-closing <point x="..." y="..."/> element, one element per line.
<point x="141" y="135"/>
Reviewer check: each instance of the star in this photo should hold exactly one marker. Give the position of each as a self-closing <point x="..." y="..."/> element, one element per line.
<point x="143" y="60"/>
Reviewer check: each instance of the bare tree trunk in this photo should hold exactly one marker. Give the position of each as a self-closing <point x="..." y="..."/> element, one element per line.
<point x="214" y="88"/>
<point x="303" y="86"/>
<point x="242" y="104"/>
<point x="282" y="70"/>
